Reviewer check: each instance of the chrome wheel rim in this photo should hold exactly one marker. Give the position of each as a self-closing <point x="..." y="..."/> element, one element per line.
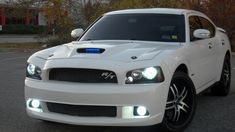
<point x="179" y="103"/>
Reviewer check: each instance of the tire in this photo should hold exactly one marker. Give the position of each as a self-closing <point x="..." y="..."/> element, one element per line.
<point x="223" y="86"/>
<point x="181" y="103"/>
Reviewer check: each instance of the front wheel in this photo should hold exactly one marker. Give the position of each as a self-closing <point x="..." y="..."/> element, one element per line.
<point x="181" y="103"/>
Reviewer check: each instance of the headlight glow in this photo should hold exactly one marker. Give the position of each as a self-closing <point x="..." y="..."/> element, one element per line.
<point x="141" y="110"/>
<point x="129" y="79"/>
<point x="33" y="71"/>
<point x="150" y="73"/>
<point x="145" y="75"/>
<point x="137" y="74"/>
<point x="35" y="103"/>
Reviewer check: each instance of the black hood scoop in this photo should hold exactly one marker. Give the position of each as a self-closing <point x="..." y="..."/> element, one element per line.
<point x="91" y="50"/>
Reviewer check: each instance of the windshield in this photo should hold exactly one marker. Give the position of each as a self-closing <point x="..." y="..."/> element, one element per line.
<point x="146" y="27"/>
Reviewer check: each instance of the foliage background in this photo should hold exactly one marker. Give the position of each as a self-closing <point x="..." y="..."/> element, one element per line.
<point x="65" y="15"/>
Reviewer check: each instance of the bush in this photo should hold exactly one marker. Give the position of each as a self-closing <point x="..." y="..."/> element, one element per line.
<point x="23" y="29"/>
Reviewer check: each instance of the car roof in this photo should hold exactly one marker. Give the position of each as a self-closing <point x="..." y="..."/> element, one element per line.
<point x="154" y="10"/>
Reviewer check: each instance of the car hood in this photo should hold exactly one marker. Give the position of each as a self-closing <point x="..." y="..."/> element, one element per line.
<point x="125" y="51"/>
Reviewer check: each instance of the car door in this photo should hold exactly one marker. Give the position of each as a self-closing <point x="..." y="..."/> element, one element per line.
<point x="202" y="52"/>
<point x="213" y="45"/>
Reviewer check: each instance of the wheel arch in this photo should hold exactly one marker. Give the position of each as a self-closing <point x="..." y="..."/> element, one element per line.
<point x="220" y="67"/>
<point x="228" y="54"/>
<point x="185" y="68"/>
<point x="182" y="68"/>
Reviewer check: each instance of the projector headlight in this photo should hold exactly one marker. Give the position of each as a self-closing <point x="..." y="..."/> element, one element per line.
<point x="33" y="71"/>
<point x="145" y="75"/>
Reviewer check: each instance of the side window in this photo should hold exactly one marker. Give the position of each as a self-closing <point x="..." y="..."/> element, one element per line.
<point x="208" y="25"/>
<point x="194" y="24"/>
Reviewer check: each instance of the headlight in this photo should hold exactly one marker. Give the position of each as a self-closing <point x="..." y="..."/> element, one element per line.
<point x="33" y="71"/>
<point x="145" y="75"/>
<point x="150" y="73"/>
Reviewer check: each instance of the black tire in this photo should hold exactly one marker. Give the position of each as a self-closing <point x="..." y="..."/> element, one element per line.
<point x="223" y="86"/>
<point x="181" y="103"/>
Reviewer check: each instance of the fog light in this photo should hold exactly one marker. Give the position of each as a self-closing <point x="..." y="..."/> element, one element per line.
<point x="35" y="103"/>
<point x="141" y="110"/>
<point x="131" y="112"/>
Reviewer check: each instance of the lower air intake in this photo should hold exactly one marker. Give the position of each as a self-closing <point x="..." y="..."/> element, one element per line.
<point x="83" y="110"/>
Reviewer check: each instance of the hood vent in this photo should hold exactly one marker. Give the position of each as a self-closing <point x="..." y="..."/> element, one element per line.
<point x="91" y="50"/>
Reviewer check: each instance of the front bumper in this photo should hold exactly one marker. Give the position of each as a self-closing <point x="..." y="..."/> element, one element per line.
<point x="152" y="96"/>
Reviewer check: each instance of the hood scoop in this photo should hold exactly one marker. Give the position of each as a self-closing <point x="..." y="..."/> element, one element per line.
<point x="90" y="50"/>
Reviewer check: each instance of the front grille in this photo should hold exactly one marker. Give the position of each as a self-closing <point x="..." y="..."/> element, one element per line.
<point x="82" y="75"/>
<point x="82" y="110"/>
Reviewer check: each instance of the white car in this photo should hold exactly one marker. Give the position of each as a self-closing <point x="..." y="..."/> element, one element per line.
<point x="134" y="67"/>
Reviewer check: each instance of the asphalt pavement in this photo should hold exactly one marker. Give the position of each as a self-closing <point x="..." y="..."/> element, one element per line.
<point x="20" y="39"/>
<point x="213" y="114"/>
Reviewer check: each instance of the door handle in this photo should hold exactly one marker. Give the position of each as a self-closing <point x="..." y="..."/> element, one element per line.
<point x="210" y="45"/>
<point x="222" y="42"/>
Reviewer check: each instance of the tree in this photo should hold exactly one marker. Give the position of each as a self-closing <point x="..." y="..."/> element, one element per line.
<point x="56" y="13"/>
<point x="91" y="10"/>
<point x="222" y="13"/>
<point x="58" y="19"/>
<point x="123" y="4"/>
<point x="19" y="8"/>
<point x="63" y="15"/>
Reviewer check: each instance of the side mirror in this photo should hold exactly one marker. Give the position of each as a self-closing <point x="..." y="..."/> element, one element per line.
<point x="77" y="32"/>
<point x="201" y="34"/>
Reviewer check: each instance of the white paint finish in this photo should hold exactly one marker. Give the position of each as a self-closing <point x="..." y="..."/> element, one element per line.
<point x="114" y="50"/>
<point x="204" y="67"/>
<point x="203" y="61"/>
<point x="77" y="32"/>
<point x="154" y="10"/>
<point x="152" y="97"/>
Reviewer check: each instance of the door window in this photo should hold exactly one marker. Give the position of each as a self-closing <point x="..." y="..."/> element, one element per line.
<point x="194" y="24"/>
<point x="208" y="25"/>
